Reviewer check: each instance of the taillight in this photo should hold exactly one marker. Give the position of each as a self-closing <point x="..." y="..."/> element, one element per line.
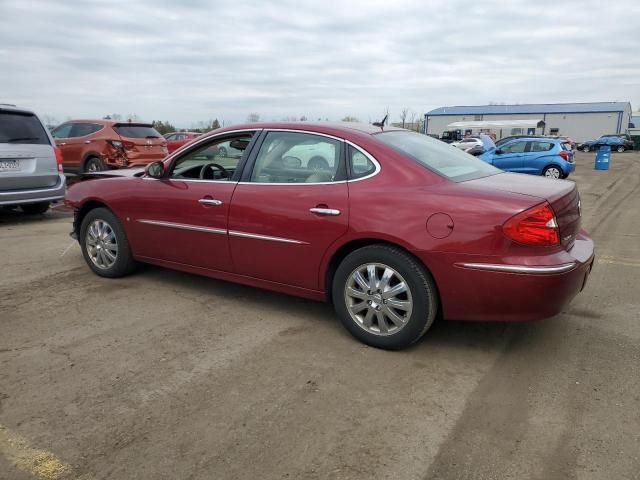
<point x="564" y="154"/>
<point x="122" y="145"/>
<point x="536" y="226"/>
<point x="128" y="145"/>
<point x="58" y="151"/>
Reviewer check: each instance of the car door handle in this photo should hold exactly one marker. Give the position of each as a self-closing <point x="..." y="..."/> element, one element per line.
<point x="62" y="144"/>
<point x="325" y="211"/>
<point x="87" y="141"/>
<point x="210" y="201"/>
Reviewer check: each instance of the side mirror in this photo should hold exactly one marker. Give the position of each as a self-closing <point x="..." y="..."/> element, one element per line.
<point x="499" y="151"/>
<point x="155" y="169"/>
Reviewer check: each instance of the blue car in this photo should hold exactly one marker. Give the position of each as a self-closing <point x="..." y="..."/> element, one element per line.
<point x="549" y="157"/>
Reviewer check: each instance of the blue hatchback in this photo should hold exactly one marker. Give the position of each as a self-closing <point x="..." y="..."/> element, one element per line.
<point x="537" y="156"/>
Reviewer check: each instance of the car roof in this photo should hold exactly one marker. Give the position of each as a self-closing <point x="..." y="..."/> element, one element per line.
<point x="539" y="139"/>
<point x="102" y="121"/>
<point x="9" y="107"/>
<point x="335" y="128"/>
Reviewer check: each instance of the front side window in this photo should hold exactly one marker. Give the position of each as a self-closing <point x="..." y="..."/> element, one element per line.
<point x="212" y="161"/>
<point x="173" y="136"/>
<point x="292" y="157"/>
<point x="440" y="157"/>
<point x="515" y="147"/>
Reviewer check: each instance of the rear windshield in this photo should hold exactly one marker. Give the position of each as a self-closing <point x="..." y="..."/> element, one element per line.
<point x="136" y="131"/>
<point x="22" y="128"/>
<point x="442" y="158"/>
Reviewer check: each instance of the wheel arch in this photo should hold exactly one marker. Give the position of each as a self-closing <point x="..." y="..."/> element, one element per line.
<point x="346" y="248"/>
<point x="84" y="209"/>
<point x="87" y="156"/>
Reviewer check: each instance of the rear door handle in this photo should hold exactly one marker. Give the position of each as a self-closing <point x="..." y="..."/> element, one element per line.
<point x="325" y="211"/>
<point x="87" y="141"/>
<point x="210" y="201"/>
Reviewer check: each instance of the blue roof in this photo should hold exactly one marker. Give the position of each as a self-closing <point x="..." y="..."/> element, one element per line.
<point x="538" y="108"/>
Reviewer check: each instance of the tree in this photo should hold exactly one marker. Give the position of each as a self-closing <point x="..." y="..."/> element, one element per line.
<point x="163" y="127"/>
<point x="350" y="118"/>
<point x="253" y="117"/>
<point x="303" y="118"/>
<point x="403" y="115"/>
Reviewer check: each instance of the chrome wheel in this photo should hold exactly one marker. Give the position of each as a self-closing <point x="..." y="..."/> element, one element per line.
<point x="378" y="299"/>
<point x="101" y="244"/>
<point x="552" y="172"/>
<point x="620" y="149"/>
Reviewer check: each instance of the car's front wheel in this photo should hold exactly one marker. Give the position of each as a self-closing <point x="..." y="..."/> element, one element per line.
<point x="384" y="296"/>
<point x="104" y="244"/>
<point x="586" y="148"/>
<point x="620" y="148"/>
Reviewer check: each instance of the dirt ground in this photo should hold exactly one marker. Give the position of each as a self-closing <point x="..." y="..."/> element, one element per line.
<point x="166" y="375"/>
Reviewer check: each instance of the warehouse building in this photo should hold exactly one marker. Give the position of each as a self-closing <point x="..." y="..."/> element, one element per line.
<point x="580" y="121"/>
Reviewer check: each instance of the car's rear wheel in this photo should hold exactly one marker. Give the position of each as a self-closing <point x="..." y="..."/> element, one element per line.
<point x="553" y="171"/>
<point x="35" y="208"/>
<point x="586" y="148"/>
<point x="620" y="149"/>
<point x="104" y="244"/>
<point x="384" y="296"/>
<point x="94" y="164"/>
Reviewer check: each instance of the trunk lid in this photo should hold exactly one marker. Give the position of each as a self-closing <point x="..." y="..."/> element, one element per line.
<point x="142" y="140"/>
<point x="562" y="195"/>
<point x="27" y="158"/>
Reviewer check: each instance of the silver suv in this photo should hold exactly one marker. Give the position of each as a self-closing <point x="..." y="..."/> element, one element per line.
<point x="30" y="165"/>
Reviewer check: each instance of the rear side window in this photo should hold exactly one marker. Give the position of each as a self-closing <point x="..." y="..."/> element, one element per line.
<point x="515" y="147"/>
<point x="84" y="129"/>
<point x="136" y="131"/>
<point x="22" y="128"/>
<point x="359" y="164"/>
<point x="541" y="146"/>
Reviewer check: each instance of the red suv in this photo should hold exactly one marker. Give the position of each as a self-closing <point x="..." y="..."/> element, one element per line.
<point x="177" y="139"/>
<point x="94" y="145"/>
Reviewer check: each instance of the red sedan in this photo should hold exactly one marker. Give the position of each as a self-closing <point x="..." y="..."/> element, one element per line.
<point x="177" y="139"/>
<point x="394" y="227"/>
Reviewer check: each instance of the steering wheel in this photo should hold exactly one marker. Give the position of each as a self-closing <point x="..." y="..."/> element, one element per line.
<point x="225" y="173"/>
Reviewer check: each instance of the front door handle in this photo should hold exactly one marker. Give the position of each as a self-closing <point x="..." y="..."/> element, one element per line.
<point x="62" y="144"/>
<point x="87" y="141"/>
<point x="325" y="211"/>
<point x="210" y="201"/>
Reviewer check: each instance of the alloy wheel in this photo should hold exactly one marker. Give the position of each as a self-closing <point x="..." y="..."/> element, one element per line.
<point x="101" y="244"/>
<point x="552" y="172"/>
<point x="378" y="299"/>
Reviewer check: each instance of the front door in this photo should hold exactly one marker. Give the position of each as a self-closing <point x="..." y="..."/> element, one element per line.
<point x="182" y="218"/>
<point x="290" y="207"/>
<point x="511" y="156"/>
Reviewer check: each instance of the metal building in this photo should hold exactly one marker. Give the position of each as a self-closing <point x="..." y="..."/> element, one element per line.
<point x="580" y="121"/>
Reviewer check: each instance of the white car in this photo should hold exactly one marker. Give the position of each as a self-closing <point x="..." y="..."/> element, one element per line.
<point x="467" y="143"/>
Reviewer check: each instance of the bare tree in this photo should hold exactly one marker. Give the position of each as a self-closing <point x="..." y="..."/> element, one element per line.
<point x="403" y="115"/>
<point x="253" y="117"/>
<point x="350" y="118"/>
<point x="303" y="118"/>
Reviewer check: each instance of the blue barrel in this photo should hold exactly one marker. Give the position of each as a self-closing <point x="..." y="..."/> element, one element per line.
<point x="603" y="155"/>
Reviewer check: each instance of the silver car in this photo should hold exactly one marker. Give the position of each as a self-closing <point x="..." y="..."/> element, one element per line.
<point x="30" y="168"/>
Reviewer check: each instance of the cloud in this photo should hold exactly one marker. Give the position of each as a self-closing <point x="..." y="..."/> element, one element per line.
<point x="195" y="60"/>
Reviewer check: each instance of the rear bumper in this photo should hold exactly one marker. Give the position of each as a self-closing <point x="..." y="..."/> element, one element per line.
<point x="49" y="194"/>
<point x="498" y="291"/>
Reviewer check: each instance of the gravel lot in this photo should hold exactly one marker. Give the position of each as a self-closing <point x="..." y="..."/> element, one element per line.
<point x="166" y="375"/>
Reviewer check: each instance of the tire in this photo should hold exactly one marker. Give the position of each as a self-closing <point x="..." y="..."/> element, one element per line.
<point x="35" y="208"/>
<point x="620" y="149"/>
<point x="222" y="152"/>
<point x="91" y="242"/>
<point x="94" y="164"/>
<point x="420" y="299"/>
<point x="553" y="171"/>
<point x="586" y="148"/>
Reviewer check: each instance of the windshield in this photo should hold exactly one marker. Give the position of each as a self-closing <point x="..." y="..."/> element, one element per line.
<point x="442" y="158"/>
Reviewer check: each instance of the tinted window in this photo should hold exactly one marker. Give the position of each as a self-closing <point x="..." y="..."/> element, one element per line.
<point x="288" y="157"/>
<point x="173" y="136"/>
<point x="515" y="147"/>
<point x="360" y="164"/>
<point x="541" y="146"/>
<point x="136" y="131"/>
<point x="205" y="162"/>
<point x="84" y="129"/>
<point x="438" y="156"/>
<point x="63" y="131"/>
<point x="22" y="128"/>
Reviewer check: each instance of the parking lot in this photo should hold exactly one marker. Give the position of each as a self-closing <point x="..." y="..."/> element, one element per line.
<point x="166" y="375"/>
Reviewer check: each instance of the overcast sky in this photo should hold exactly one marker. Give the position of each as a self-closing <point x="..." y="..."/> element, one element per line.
<point x="193" y="60"/>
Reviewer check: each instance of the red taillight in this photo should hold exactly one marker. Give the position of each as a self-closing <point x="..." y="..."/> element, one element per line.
<point x="58" y="151"/>
<point x="128" y="145"/>
<point x="564" y="154"/>
<point x="536" y="226"/>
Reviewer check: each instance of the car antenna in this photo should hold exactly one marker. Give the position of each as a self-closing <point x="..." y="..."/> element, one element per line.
<point x="381" y="123"/>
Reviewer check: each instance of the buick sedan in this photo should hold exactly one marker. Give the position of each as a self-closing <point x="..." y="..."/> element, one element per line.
<point x="393" y="227"/>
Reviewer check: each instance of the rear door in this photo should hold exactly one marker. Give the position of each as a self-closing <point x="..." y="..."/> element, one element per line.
<point x="511" y="156"/>
<point x="142" y="142"/>
<point x="287" y="211"/>
<point x="538" y="155"/>
<point x="27" y="158"/>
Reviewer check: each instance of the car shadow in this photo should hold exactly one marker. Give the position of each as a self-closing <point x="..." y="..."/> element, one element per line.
<point x="15" y="216"/>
